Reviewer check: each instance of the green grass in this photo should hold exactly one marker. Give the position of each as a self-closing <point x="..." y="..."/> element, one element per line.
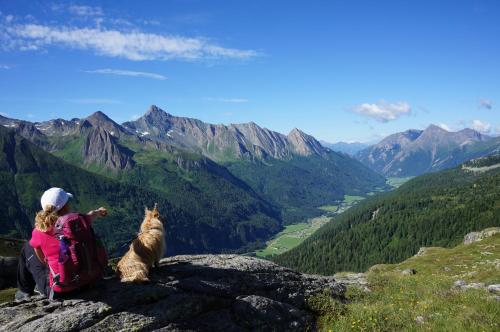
<point x="351" y="199"/>
<point x="329" y="208"/>
<point x="291" y="236"/>
<point x="397" y="182"/>
<point x="7" y="295"/>
<point x="396" y="300"/>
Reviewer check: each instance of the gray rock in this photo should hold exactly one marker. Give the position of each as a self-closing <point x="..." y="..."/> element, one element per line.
<point x="494" y="289"/>
<point x="459" y="283"/>
<point x="446" y="269"/>
<point x="422" y="251"/>
<point x="409" y="272"/>
<point x="420" y="320"/>
<point x="478" y="236"/>
<point x="353" y="279"/>
<point x="474" y="285"/>
<point x="187" y="293"/>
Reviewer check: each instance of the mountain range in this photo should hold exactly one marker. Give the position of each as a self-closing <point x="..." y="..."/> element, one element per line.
<point x="241" y="220"/>
<point x="235" y="185"/>
<point x="415" y="152"/>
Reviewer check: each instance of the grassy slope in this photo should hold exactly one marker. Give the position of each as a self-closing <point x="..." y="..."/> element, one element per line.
<point x="396" y="300"/>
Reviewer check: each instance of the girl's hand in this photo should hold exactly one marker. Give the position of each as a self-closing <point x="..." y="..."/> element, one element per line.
<point x="102" y="211"/>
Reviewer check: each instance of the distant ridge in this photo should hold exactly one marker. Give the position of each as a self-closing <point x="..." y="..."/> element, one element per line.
<point x="351" y="148"/>
<point x="415" y="152"/>
<point x="223" y="142"/>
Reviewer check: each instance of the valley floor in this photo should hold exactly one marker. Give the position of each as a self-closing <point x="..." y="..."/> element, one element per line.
<point x="295" y="234"/>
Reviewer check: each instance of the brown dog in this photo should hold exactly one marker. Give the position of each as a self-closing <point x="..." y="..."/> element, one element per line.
<point x="145" y="251"/>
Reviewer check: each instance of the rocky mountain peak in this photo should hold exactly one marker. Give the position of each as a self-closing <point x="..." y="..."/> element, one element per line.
<point x="101" y="147"/>
<point x="435" y="128"/>
<point x="156" y="113"/>
<point x="101" y="120"/>
<point x="304" y="144"/>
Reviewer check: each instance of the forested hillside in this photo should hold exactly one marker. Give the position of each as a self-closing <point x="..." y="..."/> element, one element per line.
<point x="302" y="184"/>
<point x="194" y="223"/>
<point x="430" y="210"/>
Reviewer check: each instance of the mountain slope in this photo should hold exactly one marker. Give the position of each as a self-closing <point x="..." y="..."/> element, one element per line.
<point x="415" y="152"/>
<point x="302" y="184"/>
<point x="294" y="172"/>
<point x="194" y="223"/>
<point x="432" y="209"/>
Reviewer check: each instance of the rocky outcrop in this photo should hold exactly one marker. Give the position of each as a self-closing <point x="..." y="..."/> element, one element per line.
<point x="187" y="293"/>
<point x="353" y="279"/>
<point x="478" y="236"/>
<point x="304" y="145"/>
<point x="102" y="148"/>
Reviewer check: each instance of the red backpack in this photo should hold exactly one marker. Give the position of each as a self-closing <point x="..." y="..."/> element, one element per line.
<point x="82" y="257"/>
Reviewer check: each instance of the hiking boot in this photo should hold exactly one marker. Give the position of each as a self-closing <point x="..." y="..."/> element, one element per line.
<point x="21" y="296"/>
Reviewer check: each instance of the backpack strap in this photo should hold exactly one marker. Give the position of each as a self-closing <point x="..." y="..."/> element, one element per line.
<point x="55" y="282"/>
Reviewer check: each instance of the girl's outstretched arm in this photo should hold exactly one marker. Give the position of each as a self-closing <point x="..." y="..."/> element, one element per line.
<point x="102" y="212"/>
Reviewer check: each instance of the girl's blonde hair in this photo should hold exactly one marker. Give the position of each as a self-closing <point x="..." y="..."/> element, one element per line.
<point x="46" y="218"/>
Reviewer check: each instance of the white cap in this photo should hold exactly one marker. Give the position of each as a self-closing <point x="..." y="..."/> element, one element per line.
<point x="56" y="197"/>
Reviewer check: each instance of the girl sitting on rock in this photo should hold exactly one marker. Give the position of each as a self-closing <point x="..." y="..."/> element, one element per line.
<point x="63" y="254"/>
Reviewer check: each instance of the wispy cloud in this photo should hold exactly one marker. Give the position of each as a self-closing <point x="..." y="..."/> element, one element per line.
<point x="485" y="103"/>
<point x="4" y="67"/>
<point x="383" y="111"/>
<point x="78" y="10"/>
<point x="93" y="101"/>
<point x="85" y="10"/>
<point x="121" y="72"/>
<point x="483" y="127"/>
<point x="133" y="45"/>
<point x="445" y="126"/>
<point x="228" y="100"/>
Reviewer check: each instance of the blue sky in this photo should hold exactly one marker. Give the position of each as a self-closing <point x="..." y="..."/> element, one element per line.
<point x="339" y="70"/>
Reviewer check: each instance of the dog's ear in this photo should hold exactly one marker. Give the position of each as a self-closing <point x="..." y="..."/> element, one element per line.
<point x="155" y="211"/>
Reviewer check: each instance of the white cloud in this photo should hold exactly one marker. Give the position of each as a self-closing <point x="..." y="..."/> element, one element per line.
<point x="4" y="114"/>
<point x="485" y="103"/>
<point x="94" y="101"/>
<point x="133" y="45"/>
<point x="483" y="127"/>
<point x="4" y="67"/>
<point x="79" y="10"/>
<point x="383" y="111"/>
<point x="122" y="72"/>
<point x="444" y="126"/>
<point x="229" y="100"/>
<point x="135" y="117"/>
<point x="85" y="10"/>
